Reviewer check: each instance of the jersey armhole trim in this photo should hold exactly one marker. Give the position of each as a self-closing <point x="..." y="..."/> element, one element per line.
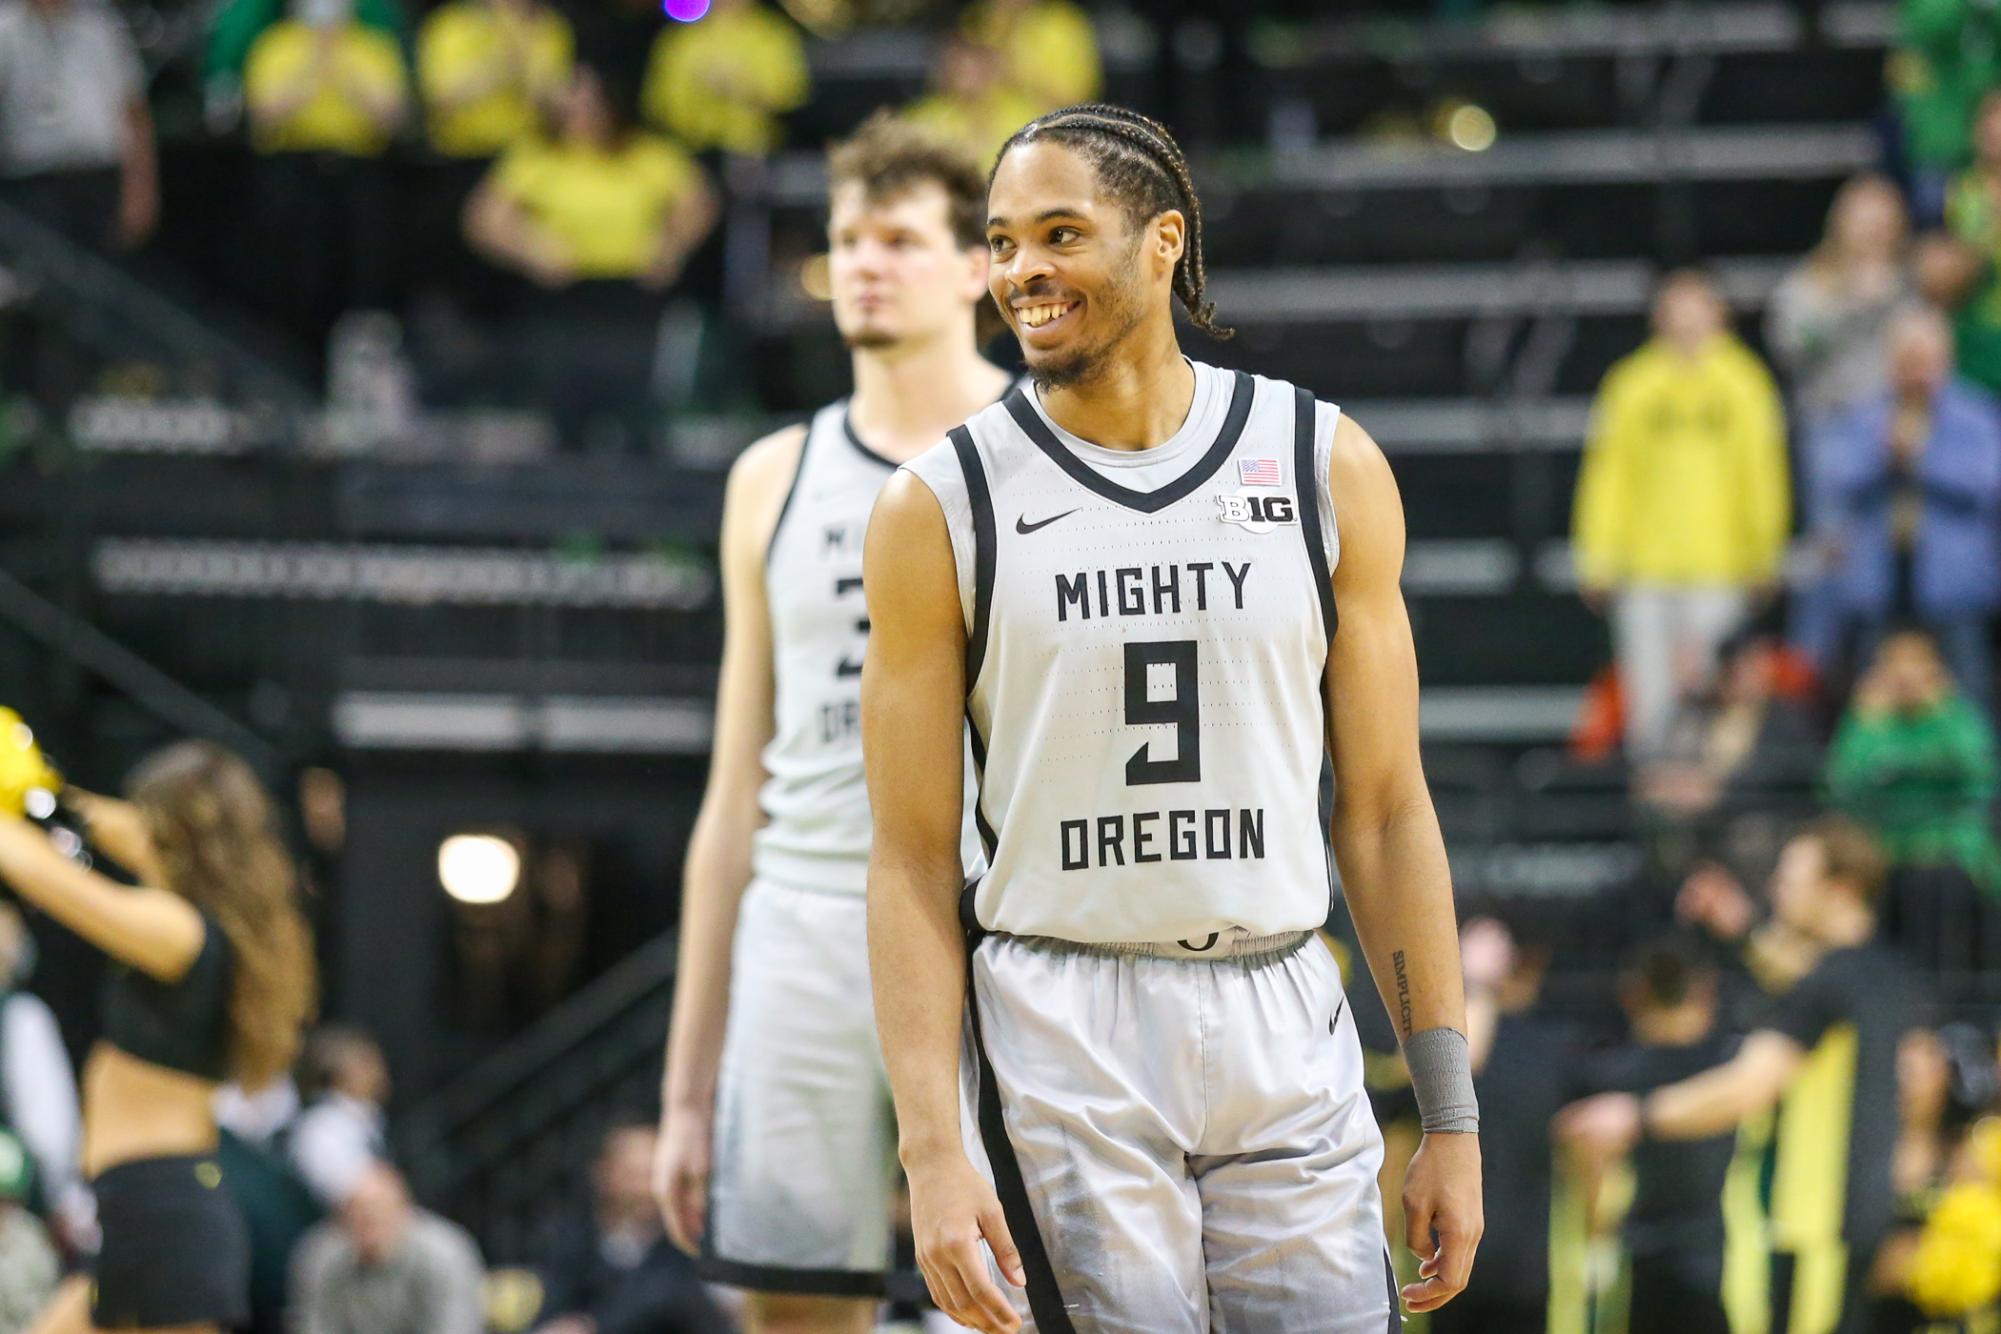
<point x="1306" y="477"/>
<point x="791" y="490"/>
<point x="981" y="502"/>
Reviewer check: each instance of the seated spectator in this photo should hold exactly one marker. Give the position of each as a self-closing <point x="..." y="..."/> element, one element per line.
<point x="1948" y="54"/>
<point x="1683" y="502"/>
<point x="38" y="1098"/>
<point x="1915" y="763"/>
<point x="1906" y="501"/>
<point x="724" y="83"/>
<point x="326" y="95"/>
<point x="76" y="137"/>
<point x="1828" y="323"/>
<point x="1047" y="48"/>
<point x="339" y="1138"/>
<point x="612" y="1270"/>
<point x="1736" y="744"/>
<point x="490" y="71"/>
<point x="972" y="105"/>
<point x="29" y="1266"/>
<point x="384" y="1266"/>
<point x="1957" y="271"/>
<point x="600" y="201"/>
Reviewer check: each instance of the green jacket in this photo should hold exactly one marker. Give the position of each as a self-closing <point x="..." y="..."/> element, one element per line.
<point x="1948" y="54"/>
<point x="1925" y="783"/>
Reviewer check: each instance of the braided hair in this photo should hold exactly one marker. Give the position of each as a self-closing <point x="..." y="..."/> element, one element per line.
<point x="1139" y="164"/>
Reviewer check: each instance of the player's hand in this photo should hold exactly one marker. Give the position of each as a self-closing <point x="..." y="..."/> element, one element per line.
<point x="952" y="1209"/>
<point x="1601" y="1128"/>
<point x="681" y="1177"/>
<point x="1443" y="1218"/>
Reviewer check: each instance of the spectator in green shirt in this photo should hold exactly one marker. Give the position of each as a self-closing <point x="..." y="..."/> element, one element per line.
<point x="1961" y="270"/>
<point x="1915" y="762"/>
<point x="1948" y="56"/>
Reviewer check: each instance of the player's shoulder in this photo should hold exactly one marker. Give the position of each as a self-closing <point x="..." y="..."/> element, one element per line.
<point x="769" y="456"/>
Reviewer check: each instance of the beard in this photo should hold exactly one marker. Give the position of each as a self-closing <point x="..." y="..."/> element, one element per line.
<point x="870" y="340"/>
<point x="1121" y="306"/>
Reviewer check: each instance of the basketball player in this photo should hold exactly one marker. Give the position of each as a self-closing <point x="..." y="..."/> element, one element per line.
<point x="1128" y="580"/>
<point x="777" y="1160"/>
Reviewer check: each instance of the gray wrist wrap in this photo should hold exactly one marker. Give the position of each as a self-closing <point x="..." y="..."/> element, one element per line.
<point x="1442" y="1078"/>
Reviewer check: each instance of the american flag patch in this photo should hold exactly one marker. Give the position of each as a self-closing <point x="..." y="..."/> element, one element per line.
<point x="1258" y="472"/>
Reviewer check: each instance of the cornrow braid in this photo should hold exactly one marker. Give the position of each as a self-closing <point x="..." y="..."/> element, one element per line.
<point x="1139" y="164"/>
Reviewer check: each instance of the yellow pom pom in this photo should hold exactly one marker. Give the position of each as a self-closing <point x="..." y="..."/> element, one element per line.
<point x="28" y="784"/>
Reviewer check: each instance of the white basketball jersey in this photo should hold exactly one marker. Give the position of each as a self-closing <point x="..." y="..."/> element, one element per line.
<point x="1147" y="636"/>
<point x="816" y="800"/>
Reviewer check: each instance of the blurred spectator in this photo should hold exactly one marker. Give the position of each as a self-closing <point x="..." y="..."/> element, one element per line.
<point x="340" y="1137"/>
<point x="602" y="201"/>
<point x="1948" y="54"/>
<point x="490" y="72"/>
<point x="278" y="1210"/>
<point x="326" y="95"/>
<point x="1825" y="1061"/>
<point x="385" y="1266"/>
<point x="1829" y="320"/>
<point x="1525" y="1068"/>
<point x="29" y="1267"/>
<point x="1906" y="500"/>
<point x="1673" y="1228"/>
<point x="972" y="104"/>
<point x="612" y="1270"/>
<point x="1738" y="743"/>
<point x="1048" y="50"/>
<point x="258" y="1117"/>
<point x="76" y="137"/>
<point x="38" y="1097"/>
<point x="1683" y="503"/>
<point x="723" y="84"/>
<point x="239" y="23"/>
<point x="1957" y="270"/>
<point x="601" y="220"/>
<point x="1915" y="762"/>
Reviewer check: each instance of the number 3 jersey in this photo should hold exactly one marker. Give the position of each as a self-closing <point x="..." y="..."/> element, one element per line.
<point x="1147" y="632"/>
<point x="817" y="833"/>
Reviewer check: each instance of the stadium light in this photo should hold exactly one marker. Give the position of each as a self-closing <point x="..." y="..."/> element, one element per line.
<point x="478" y="868"/>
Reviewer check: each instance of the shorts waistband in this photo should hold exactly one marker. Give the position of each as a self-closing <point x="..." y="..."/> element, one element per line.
<point x="1237" y="945"/>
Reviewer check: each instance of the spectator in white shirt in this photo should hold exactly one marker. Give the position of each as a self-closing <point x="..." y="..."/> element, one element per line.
<point x="340" y="1136"/>
<point x="37" y="1083"/>
<point x="76" y="137"/>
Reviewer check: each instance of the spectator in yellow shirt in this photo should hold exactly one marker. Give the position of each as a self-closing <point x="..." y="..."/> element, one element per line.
<point x="723" y="82"/>
<point x="1684" y="501"/>
<point x="600" y="201"/>
<point x="972" y="106"/>
<point x="326" y="96"/>
<point x="490" y="71"/>
<point x="1048" y="50"/>
<point x="319" y="82"/>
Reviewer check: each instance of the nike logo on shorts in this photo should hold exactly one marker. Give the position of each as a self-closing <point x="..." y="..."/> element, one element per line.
<point x="1024" y="527"/>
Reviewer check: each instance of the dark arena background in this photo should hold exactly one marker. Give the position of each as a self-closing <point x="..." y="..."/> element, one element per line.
<point x="299" y="454"/>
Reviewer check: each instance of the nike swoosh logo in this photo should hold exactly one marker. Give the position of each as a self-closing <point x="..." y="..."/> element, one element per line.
<point x="1024" y="527"/>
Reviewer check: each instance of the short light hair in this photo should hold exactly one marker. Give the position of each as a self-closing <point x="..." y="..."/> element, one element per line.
<point x="1850" y="854"/>
<point x="889" y="156"/>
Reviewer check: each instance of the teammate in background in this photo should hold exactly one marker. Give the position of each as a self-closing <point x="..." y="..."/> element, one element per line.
<point x="1673" y="1230"/>
<point x="213" y="979"/>
<point x="1826" y="1062"/>
<point x="777" y="1157"/>
<point x="1128" y="581"/>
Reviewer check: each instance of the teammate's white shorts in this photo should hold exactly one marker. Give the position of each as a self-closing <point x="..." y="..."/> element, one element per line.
<point x="804" y="1161"/>
<point x="1188" y="1131"/>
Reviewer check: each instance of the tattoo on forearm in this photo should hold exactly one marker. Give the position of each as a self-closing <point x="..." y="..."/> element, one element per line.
<point x="1403" y="993"/>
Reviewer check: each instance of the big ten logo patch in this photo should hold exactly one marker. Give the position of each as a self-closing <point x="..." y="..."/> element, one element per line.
<point x="1257" y="514"/>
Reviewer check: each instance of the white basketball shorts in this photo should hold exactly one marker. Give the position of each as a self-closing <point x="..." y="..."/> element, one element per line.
<point x="804" y="1163"/>
<point x="1180" y="1137"/>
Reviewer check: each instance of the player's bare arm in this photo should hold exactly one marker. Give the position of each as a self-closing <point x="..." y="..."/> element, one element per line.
<point x="1387" y="842"/>
<point x="913" y="707"/>
<point x="718" y="866"/>
<point x="1711" y="1103"/>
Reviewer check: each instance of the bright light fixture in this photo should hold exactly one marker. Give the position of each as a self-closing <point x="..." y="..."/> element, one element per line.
<point x="478" y="868"/>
